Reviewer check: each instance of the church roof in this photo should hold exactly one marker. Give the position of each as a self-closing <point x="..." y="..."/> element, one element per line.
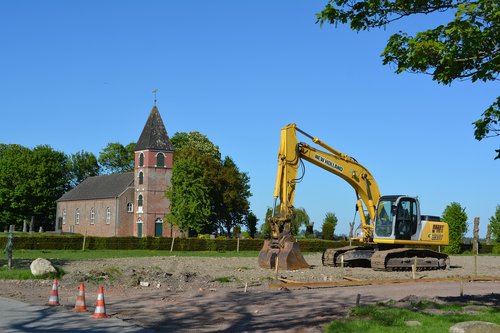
<point x="154" y="135"/>
<point x="100" y="187"/>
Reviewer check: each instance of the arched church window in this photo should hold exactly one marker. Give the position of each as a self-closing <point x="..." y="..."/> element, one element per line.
<point x="141" y="178"/>
<point x="141" y="159"/>
<point x="160" y="160"/>
<point x="139" y="200"/>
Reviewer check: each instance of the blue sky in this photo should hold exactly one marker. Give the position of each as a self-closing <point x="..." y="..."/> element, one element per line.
<point x="77" y="75"/>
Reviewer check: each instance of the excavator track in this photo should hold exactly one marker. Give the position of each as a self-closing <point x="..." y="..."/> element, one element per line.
<point x="402" y="259"/>
<point x="351" y="256"/>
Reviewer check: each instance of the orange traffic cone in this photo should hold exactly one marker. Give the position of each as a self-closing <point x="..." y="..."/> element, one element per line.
<point x="54" y="294"/>
<point x="100" y="307"/>
<point x="80" y="300"/>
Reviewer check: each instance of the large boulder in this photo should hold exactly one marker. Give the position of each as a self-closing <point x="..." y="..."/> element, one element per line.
<point x="42" y="266"/>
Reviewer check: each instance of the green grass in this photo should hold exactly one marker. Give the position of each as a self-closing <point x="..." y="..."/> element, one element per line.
<point x="25" y="274"/>
<point x="98" y="254"/>
<point x="383" y="319"/>
<point x="225" y="279"/>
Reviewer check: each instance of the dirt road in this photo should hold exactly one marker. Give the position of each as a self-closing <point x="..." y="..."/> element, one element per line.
<point x="194" y="294"/>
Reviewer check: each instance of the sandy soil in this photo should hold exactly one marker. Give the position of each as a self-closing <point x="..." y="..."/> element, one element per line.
<point x="194" y="294"/>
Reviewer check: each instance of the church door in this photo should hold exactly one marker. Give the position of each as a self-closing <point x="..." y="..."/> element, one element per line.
<point x="139" y="228"/>
<point x="158" y="227"/>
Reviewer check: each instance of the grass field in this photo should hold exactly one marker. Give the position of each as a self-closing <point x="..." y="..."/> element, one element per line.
<point x="96" y="254"/>
<point x="384" y="319"/>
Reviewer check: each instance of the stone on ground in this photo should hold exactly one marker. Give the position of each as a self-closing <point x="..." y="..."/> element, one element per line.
<point x="41" y="267"/>
<point x="475" y="327"/>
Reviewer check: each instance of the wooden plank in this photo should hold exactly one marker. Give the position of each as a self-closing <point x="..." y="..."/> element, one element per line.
<point x="326" y="284"/>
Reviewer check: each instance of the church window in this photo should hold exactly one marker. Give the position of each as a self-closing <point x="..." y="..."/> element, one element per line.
<point x="64" y="216"/>
<point x="108" y="215"/>
<point x="130" y="207"/>
<point x="141" y="178"/>
<point x="92" y="216"/>
<point x="141" y="159"/>
<point x="160" y="160"/>
<point x="77" y="216"/>
<point x="139" y="200"/>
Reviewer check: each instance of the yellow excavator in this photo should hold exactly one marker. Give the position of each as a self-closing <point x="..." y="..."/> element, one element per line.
<point x="391" y="224"/>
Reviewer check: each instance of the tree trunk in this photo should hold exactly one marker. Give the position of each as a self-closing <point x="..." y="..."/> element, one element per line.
<point x="32" y="224"/>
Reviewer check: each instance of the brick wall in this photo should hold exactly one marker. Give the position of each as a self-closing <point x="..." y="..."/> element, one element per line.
<point x="120" y="221"/>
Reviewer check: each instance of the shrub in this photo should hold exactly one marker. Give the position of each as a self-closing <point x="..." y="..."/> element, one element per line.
<point x="456" y="218"/>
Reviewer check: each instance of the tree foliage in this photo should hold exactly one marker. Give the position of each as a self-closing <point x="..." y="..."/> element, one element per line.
<point x="329" y="223"/>
<point x="82" y="165"/>
<point x="195" y="141"/>
<point x="465" y="48"/>
<point x="456" y="218"/>
<point x="299" y="218"/>
<point x="31" y="180"/>
<point x="116" y="158"/>
<point x="265" y="228"/>
<point x="224" y="186"/>
<point x="251" y="224"/>
<point x="230" y="194"/>
<point x="495" y="225"/>
<point x="189" y="195"/>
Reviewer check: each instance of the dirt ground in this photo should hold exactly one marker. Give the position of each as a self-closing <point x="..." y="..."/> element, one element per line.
<point x="196" y="294"/>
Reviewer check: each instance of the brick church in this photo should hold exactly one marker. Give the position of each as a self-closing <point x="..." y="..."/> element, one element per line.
<point x="126" y="204"/>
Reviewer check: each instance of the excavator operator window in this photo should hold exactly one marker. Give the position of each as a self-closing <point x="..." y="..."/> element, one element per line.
<point x="383" y="228"/>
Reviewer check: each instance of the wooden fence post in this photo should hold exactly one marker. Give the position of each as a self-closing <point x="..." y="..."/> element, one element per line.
<point x="475" y="240"/>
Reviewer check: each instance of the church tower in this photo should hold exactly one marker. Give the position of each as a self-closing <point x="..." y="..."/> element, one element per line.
<point x="152" y="175"/>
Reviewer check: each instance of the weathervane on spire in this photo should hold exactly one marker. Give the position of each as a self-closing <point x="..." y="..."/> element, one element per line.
<point x="154" y="92"/>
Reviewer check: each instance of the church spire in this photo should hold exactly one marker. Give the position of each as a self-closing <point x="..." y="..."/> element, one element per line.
<point x="154" y="135"/>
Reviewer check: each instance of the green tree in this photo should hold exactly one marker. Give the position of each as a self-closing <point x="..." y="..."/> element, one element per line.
<point x="329" y="223"/>
<point x="230" y="194"/>
<point x="13" y="159"/>
<point x="465" y="48"/>
<point x="116" y="158"/>
<point x="299" y="218"/>
<point x="82" y="165"/>
<point x="265" y="228"/>
<point x="251" y="224"/>
<point x="225" y="186"/>
<point x="30" y="183"/>
<point x="189" y="195"/>
<point x="456" y="218"/>
<point x="197" y="141"/>
<point x="495" y="225"/>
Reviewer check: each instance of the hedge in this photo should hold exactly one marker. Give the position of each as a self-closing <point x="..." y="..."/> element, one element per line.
<point x="75" y="242"/>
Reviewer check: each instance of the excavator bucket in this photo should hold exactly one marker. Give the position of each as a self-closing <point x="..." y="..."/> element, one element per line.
<point x="286" y="256"/>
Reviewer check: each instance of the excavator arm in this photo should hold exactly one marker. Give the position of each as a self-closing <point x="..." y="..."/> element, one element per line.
<point x="290" y="156"/>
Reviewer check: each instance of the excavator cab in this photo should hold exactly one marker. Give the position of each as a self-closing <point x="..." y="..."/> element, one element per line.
<point x="397" y="217"/>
